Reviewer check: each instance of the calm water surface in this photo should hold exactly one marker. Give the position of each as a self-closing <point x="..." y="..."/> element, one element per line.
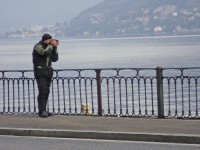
<point x="146" y="52"/>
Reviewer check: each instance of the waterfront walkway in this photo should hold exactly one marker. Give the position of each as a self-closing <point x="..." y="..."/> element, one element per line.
<point x="108" y="128"/>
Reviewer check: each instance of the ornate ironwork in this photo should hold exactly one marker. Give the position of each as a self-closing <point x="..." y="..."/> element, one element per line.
<point x="126" y="92"/>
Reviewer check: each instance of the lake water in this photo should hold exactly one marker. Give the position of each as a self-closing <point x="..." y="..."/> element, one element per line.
<point x="141" y="52"/>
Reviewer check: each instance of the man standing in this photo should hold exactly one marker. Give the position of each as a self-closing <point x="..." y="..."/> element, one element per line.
<point x="44" y="53"/>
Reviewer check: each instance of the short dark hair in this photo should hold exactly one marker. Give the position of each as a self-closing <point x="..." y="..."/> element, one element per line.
<point x="46" y="37"/>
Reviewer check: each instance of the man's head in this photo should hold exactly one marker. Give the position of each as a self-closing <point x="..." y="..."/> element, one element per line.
<point x="46" y="38"/>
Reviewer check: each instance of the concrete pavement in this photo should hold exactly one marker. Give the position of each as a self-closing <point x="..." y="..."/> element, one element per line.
<point x="133" y="129"/>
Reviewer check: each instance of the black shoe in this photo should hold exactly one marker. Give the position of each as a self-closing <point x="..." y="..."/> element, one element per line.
<point x="48" y="113"/>
<point x="43" y="114"/>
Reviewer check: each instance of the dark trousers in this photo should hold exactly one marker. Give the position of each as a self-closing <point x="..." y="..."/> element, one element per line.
<point x="44" y="90"/>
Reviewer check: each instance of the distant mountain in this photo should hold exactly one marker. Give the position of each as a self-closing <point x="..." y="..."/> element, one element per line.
<point x="138" y="17"/>
<point x="19" y="14"/>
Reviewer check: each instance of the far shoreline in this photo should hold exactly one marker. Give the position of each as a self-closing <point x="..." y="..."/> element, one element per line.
<point x="105" y="37"/>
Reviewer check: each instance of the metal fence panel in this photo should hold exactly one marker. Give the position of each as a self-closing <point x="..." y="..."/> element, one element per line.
<point x="129" y="92"/>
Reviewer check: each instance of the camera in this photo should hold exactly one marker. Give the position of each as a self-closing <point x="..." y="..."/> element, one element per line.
<point x="55" y="40"/>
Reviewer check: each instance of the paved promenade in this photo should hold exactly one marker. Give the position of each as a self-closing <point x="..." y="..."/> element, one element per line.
<point x="132" y="129"/>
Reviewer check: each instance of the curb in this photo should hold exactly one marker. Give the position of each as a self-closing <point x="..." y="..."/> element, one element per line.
<point x="127" y="136"/>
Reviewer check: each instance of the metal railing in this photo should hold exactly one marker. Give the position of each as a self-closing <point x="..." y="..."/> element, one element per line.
<point x="129" y="92"/>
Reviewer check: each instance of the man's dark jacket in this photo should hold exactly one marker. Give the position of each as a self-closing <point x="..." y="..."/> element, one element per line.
<point x="43" y="56"/>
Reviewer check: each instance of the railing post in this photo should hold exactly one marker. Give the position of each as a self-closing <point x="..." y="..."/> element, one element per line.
<point x="160" y="97"/>
<point x="99" y="96"/>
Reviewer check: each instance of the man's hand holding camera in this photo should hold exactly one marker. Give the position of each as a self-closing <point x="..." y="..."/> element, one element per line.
<point x="55" y="42"/>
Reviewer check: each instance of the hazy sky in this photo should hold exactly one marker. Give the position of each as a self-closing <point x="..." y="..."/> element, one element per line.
<point x="25" y="13"/>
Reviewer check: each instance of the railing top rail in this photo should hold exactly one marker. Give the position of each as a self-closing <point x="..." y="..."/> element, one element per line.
<point x="105" y="69"/>
<point x="83" y="69"/>
<point x="184" y="68"/>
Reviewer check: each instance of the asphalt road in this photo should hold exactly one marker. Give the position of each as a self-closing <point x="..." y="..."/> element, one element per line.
<point x="38" y="143"/>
